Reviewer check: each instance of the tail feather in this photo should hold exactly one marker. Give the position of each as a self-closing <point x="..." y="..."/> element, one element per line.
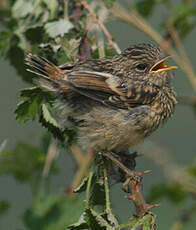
<point x="48" y="72"/>
<point x="43" y="67"/>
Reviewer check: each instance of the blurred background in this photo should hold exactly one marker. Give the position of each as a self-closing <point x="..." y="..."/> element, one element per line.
<point x="176" y="138"/>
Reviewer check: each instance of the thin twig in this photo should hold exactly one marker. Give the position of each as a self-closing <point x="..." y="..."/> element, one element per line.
<point x="186" y="62"/>
<point x="82" y="169"/>
<point x="119" y="164"/>
<point x="102" y="26"/>
<point x="78" y="156"/>
<point x="132" y="184"/>
<point x="51" y="154"/>
<point x="88" y="189"/>
<point x="187" y="100"/>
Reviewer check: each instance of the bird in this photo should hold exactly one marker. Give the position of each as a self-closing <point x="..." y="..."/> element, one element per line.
<point x="113" y="103"/>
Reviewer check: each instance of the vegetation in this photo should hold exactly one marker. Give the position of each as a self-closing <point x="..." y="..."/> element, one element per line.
<point x="64" y="31"/>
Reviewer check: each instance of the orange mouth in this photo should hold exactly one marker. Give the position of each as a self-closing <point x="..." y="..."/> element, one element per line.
<point x="161" y="66"/>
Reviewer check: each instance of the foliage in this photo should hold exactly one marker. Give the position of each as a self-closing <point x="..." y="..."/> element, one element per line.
<point x="53" y="212"/>
<point x="4" y="206"/>
<point x="58" y="30"/>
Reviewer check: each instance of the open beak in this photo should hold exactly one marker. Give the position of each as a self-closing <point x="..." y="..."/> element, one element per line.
<point x="161" y="66"/>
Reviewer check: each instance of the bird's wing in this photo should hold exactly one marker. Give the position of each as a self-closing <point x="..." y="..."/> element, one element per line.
<point x="99" y="86"/>
<point x="109" y="89"/>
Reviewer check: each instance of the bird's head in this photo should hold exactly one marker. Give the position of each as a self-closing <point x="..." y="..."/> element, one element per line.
<point x="147" y="62"/>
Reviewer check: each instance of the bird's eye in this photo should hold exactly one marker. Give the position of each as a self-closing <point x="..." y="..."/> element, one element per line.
<point x="141" y="67"/>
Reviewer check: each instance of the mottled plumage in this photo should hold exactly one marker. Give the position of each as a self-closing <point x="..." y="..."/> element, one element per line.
<point x="113" y="102"/>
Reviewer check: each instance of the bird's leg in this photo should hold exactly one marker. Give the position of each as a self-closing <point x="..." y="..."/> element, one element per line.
<point x="132" y="180"/>
<point x="123" y="167"/>
<point x="128" y="158"/>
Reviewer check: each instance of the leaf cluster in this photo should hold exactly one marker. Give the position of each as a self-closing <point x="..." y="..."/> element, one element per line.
<point x="57" y="30"/>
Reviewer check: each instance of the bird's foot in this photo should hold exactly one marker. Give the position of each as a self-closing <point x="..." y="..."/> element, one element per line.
<point x="125" y="170"/>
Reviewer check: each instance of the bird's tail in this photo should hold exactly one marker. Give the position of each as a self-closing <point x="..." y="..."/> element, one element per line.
<point x="48" y="72"/>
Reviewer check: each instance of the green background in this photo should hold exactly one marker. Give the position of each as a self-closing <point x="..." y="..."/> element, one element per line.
<point x="178" y="136"/>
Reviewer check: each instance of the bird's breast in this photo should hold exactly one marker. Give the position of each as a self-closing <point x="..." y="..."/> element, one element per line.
<point x="162" y="107"/>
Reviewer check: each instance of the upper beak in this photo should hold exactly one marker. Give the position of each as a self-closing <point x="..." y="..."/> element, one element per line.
<point x="161" y="66"/>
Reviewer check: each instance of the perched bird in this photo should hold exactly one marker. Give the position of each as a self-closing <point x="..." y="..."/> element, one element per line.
<point x="113" y="102"/>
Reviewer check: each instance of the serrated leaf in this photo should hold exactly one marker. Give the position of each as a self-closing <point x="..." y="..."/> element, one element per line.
<point x="28" y="109"/>
<point x="48" y="117"/>
<point x="31" y="106"/>
<point x="111" y="218"/>
<point x="82" y="186"/>
<point x="96" y="221"/>
<point x="29" y="92"/>
<point x="58" y="28"/>
<point x="81" y="224"/>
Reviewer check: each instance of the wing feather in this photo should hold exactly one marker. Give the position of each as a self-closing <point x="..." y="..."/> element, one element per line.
<point x="109" y="89"/>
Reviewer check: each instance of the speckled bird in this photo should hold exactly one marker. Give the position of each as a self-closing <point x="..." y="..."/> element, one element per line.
<point x="112" y="102"/>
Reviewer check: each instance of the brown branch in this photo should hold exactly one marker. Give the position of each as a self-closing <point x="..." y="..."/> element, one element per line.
<point x="133" y="185"/>
<point x="101" y="26"/>
<point x="137" y="197"/>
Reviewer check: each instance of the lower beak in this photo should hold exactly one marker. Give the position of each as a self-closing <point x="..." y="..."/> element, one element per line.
<point x="161" y="66"/>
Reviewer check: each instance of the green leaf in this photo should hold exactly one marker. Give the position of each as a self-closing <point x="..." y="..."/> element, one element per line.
<point x="4" y="206"/>
<point x="29" y="109"/>
<point x="54" y="212"/>
<point x="81" y="224"/>
<point x="52" y="5"/>
<point x="21" y="8"/>
<point x="145" y="7"/>
<point x="5" y="39"/>
<point x="98" y="194"/>
<point x="173" y="192"/>
<point x="82" y="187"/>
<point x="109" y="3"/>
<point x="16" y="56"/>
<point x="192" y="169"/>
<point x="45" y="204"/>
<point x="96" y="221"/>
<point x="32" y="106"/>
<point x="111" y="217"/>
<point x="23" y="162"/>
<point x="58" y="28"/>
<point x="48" y="117"/>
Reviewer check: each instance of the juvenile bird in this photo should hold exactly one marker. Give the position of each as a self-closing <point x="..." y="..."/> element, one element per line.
<point x="113" y="102"/>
